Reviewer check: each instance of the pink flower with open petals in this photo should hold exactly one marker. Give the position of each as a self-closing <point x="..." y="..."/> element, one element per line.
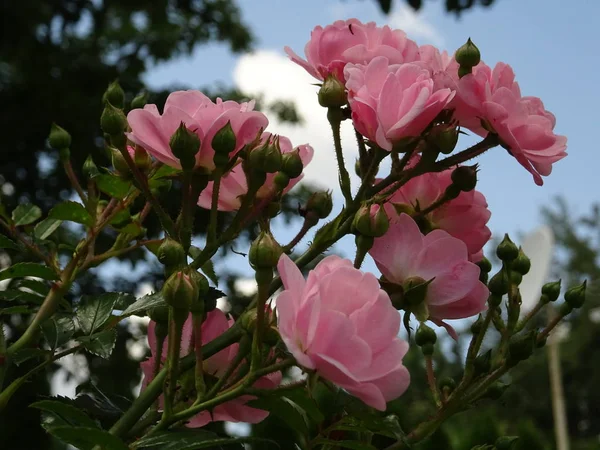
<point x="153" y="131"/>
<point x="236" y="410"/>
<point x="442" y="67"/>
<point x="342" y="325"/>
<point x="350" y="41"/>
<point x="234" y="185"/>
<point x="390" y="102"/>
<point x="525" y="127"/>
<point x="464" y="217"/>
<point x="455" y="291"/>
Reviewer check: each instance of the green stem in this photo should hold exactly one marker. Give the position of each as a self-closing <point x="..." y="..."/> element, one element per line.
<point x="431" y="380"/>
<point x="74" y="182"/>
<point x="197" y="320"/>
<point x="263" y="281"/>
<point x="214" y="208"/>
<point x="540" y="304"/>
<point x="176" y="320"/>
<point x="235" y="362"/>
<point x="306" y="226"/>
<point x="363" y="154"/>
<point x="335" y="115"/>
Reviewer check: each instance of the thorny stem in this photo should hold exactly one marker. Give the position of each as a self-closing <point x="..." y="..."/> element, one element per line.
<point x="431" y="380"/>
<point x="212" y="224"/>
<point x="75" y="182"/>
<point x="334" y="115"/>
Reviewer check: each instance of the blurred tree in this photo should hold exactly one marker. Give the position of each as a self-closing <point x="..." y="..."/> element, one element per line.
<point x="452" y="6"/>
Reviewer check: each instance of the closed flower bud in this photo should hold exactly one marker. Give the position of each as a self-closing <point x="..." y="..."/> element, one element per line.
<point x="551" y="290"/>
<point x="171" y="253"/>
<point x="485" y="265"/>
<point x="452" y="192"/>
<point x="447" y="384"/>
<point x="114" y="95"/>
<point x="248" y="321"/>
<point x="496" y="390"/>
<point x="224" y="140"/>
<point x="506" y="442"/>
<point x="291" y="164"/>
<point x="89" y="169"/>
<point x="415" y="290"/>
<point x="198" y="305"/>
<point x="462" y="71"/>
<point x="267" y="158"/>
<point x="468" y="54"/>
<point x="425" y="335"/>
<point x="180" y="291"/>
<point x="444" y="139"/>
<point x="112" y="121"/>
<point x="321" y="203"/>
<point x="522" y="264"/>
<point x="185" y="144"/>
<point x="565" y="309"/>
<point x="515" y="277"/>
<point x="498" y="285"/>
<point x="332" y="93"/>
<point x="520" y="347"/>
<point x="159" y="314"/>
<point x="141" y="158"/>
<point x="575" y="296"/>
<point x="140" y="100"/>
<point x="494" y="300"/>
<point x="465" y="177"/>
<point x="59" y="138"/>
<point x="118" y="161"/>
<point x="264" y="251"/>
<point x="507" y="250"/>
<point x="371" y="220"/>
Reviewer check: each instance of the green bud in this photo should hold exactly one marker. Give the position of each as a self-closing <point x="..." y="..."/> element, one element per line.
<point x="141" y="158"/>
<point x="425" y="335"/>
<point x="496" y="390"/>
<point x="321" y="203"/>
<point x="248" y="320"/>
<point x="444" y="138"/>
<point x="498" y="285"/>
<point x="427" y="349"/>
<point x="447" y="384"/>
<point x="224" y="140"/>
<point x="59" y="138"/>
<point x="483" y="363"/>
<point x="171" y="253"/>
<point x="332" y="93"/>
<point x="485" y="265"/>
<point x="465" y="177"/>
<point x="180" y="291"/>
<point x="565" y="309"/>
<point x="185" y="144"/>
<point x="264" y="252"/>
<point x="551" y="290"/>
<point x="520" y="347"/>
<point x="267" y="158"/>
<point x="522" y="264"/>
<point x="507" y="250"/>
<point x="291" y="164"/>
<point x="515" y="277"/>
<point x="371" y="220"/>
<point x="452" y="191"/>
<point x="89" y="169"/>
<point x="112" y="120"/>
<point x="198" y="303"/>
<point x="118" y="161"/>
<point x="575" y="296"/>
<point x="415" y="290"/>
<point x="506" y="442"/>
<point x="468" y="55"/>
<point x="462" y="71"/>
<point x="494" y="300"/>
<point x="140" y="100"/>
<point x="483" y="276"/>
<point x="281" y="180"/>
<point x="114" y="95"/>
<point x="159" y="314"/>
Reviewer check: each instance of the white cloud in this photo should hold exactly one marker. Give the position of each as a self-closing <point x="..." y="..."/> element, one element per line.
<point x="415" y="24"/>
<point x="275" y="77"/>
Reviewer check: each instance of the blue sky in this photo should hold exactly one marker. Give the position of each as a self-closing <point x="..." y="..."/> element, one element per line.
<point x="544" y="41"/>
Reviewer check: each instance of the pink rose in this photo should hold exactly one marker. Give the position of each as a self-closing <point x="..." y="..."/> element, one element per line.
<point x="342" y="325"/>
<point x="153" y="131"/>
<point x="442" y="67"/>
<point x="522" y="123"/>
<point x="234" y="184"/>
<point x="403" y="253"/>
<point x="464" y="217"/>
<point x="236" y="410"/>
<point x="350" y="41"/>
<point x="393" y="101"/>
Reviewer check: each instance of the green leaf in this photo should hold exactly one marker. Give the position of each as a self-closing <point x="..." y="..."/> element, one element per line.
<point x="72" y="212"/>
<point x="112" y="185"/>
<point x="46" y="227"/>
<point x="133" y="229"/>
<point x="7" y="243"/>
<point x="209" y="270"/>
<point x="27" y="269"/>
<point x="139" y="307"/>
<point x="66" y="411"/>
<point x="288" y="412"/>
<point x="355" y="445"/>
<point x="36" y="286"/>
<point x="121" y="218"/>
<point x="26" y="214"/>
<point x="168" y="437"/>
<point x="100" y="344"/>
<point x="58" y="330"/>
<point x="196" y="439"/>
<point x="25" y="354"/>
<point x="166" y="171"/>
<point x="123" y="300"/>
<point x="16" y="295"/>
<point x="20" y="309"/>
<point x="88" y="437"/>
<point x="309" y="405"/>
<point x="93" y="312"/>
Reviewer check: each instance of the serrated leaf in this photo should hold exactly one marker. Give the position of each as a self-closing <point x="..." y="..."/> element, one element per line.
<point x="112" y="185"/>
<point x="140" y="306"/>
<point x="26" y="214"/>
<point x="123" y="300"/>
<point x="72" y="212"/>
<point x="93" y="312"/>
<point x="20" y="309"/>
<point x="58" y="330"/>
<point x="168" y="437"/>
<point x="27" y="269"/>
<point x="88" y="437"/>
<point x="354" y="445"/>
<point x="25" y="354"/>
<point x="66" y="411"/>
<point x="7" y="243"/>
<point x="101" y="344"/>
<point x="214" y="294"/>
<point x="195" y="439"/>
<point x="45" y="228"/>
<point x="16" y="295"/>
<point x="208" y="269"/>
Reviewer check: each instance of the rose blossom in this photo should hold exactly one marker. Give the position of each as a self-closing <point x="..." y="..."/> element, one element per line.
<point x="350" y="41"/>
<point x="342" y="325"/>
<point x="234" y="184"/>
<point x="235" y="410"/>
<point x="525" y="127"/>
<point x="464" y="217"/>
<point x="390" y="102"/>
<point x="152" y="131"/>
<point x="403" y="253"/>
